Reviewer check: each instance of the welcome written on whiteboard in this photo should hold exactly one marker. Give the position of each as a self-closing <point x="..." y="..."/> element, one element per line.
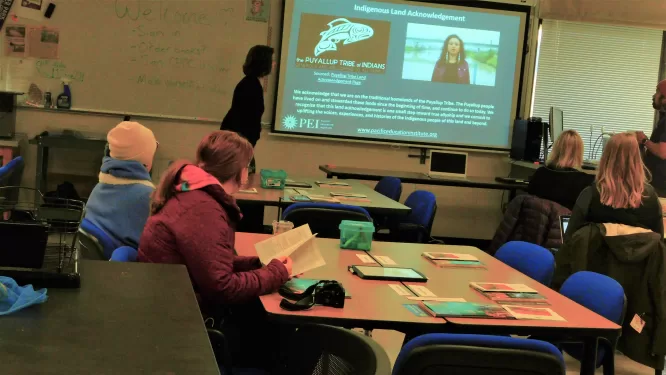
<point x="163" y="11"/>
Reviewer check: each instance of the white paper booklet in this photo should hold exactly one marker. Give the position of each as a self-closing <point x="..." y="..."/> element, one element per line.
<point x="298" y="244"/>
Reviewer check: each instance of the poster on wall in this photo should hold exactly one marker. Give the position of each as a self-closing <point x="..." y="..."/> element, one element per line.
<point x="31" y="9"/>
<point x="15" y="43"/>
<point x="257" y="10"/>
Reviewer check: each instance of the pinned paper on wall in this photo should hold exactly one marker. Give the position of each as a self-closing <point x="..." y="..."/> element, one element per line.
<point x="31" y="9"/>
<point x="43" y="42"/>
<point x="15" y="41"/>
<point x="19" y="74"/>
<point x="258" y="10"/>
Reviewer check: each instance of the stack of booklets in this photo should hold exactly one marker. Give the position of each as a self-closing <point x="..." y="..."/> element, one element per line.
<point x="465" y="310"/>
<point x="510" y="294"/>
<point x="441" y="259"/>
<point x="333" y="184"/>
<point x="488" y="311"/>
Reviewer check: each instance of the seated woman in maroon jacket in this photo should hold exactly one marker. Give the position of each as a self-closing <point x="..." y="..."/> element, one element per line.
<point x="193" y="222"/>
<point x="452" y="66"/>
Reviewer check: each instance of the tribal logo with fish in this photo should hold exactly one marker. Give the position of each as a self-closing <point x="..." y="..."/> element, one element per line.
<point x="341" y="30"/>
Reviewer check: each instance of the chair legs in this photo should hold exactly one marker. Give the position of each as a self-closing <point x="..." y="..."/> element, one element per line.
<point x="609" y="360"/>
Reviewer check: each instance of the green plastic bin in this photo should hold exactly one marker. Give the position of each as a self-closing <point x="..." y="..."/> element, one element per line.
<point x="273" y="178"/>
<point x="356" y="235"/>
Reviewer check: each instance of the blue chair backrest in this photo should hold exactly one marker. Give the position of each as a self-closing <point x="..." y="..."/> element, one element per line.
<point x="13" y="165"/>
<point x="390" y="187"/>
<point x="601" y="294"/>
<point x="443" y="353"/>
<point x="532" y="260"/>
<point x="124" y="254"/>
<point x="324" y="218"/>
<point x="107" y="243"/>
<point x="424" y="206"/>
<point x="597" y="292"/>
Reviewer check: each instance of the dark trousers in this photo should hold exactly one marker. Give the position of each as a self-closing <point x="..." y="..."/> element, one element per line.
<point x="254" y="342"/>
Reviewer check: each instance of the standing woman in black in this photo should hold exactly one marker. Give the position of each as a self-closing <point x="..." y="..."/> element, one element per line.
<point x="247" y="105"/>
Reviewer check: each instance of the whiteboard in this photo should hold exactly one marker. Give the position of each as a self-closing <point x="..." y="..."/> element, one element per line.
<point x="159" y="58"/>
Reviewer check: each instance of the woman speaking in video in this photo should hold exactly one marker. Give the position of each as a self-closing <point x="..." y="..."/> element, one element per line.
<point x="451" y="66"/>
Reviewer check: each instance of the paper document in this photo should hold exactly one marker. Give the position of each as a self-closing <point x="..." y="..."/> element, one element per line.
<point x="298" y="244"/>
<point x="43" y="43"/>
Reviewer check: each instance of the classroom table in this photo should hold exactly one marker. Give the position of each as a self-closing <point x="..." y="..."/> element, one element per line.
<point x="376" y="203"/>
<point x="477" y="182"/>
<point x="126" y="318"/>
<point x="580" y="323"/>
<point x="373" y="304"/>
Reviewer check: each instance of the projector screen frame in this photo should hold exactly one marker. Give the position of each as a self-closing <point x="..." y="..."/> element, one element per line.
<point x="523" y="87"/>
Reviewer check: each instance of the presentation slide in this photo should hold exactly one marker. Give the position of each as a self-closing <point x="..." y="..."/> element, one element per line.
<point x="403" y="72"/>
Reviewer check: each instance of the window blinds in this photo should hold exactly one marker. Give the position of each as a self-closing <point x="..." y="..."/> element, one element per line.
<point x="599" y="75"/>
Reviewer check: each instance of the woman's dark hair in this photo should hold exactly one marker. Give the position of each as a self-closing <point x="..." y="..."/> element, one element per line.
<point x="259" y="61"/>
<point x="445" y="49"/>
<point x="223" y="154"/>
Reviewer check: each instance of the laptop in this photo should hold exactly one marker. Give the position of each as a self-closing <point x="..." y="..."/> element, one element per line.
<point x="564" y="223"/>
<point x="23" y="245"/>
<point x="447" y="164"/>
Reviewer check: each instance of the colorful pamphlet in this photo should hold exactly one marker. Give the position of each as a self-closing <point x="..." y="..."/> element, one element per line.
<point x="449" y="256"/>
<point x="465" y="310"/>
<point x="534" y="313"/>
<point x="501" y="287"/>
<point x="511" y="298"/>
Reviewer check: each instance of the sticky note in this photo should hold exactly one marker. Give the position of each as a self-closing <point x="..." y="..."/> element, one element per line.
<point x="421" y="291"/>
<point x="400" y="290"/>
<point x="365" y="258"/>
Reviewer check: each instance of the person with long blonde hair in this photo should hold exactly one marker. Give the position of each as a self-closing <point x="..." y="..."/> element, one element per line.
<point x="621" y="193"/>
<point x="561" y="179"/>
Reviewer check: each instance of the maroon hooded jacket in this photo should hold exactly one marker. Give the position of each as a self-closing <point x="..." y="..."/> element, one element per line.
<point x="197" y="228"/>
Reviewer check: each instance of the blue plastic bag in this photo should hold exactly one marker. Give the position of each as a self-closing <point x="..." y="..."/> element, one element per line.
<point x="14" y="297"/>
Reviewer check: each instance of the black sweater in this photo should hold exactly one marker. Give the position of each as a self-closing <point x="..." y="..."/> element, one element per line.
<point x="589" y="209"/>
<point x="247" y="107"/>
<point x="560" y="185"/>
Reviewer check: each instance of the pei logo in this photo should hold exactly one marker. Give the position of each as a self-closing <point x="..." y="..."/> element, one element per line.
<point x="290" y="122"/>
<point x="342" y="30"/>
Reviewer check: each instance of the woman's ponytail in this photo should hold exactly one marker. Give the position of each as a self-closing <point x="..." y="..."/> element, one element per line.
<point x="167" y="187"/>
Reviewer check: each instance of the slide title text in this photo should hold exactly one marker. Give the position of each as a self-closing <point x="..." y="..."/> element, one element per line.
<point x="406" y="12"/>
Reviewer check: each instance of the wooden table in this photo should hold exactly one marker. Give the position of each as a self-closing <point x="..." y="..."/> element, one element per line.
<point x="373" y="304"/>
<point x="377" y="203"/>
<point x="127" y="318"/>
<point x="580" y="323"/>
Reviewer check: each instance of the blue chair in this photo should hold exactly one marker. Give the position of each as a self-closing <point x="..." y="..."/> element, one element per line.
<point x="124" y="254"/>
<point x="443" y="353"/>
<point x="10" y="175"/>
<point x="604" y="296"/>
<point x="324" y="218"/>
<point x="390" y="187"/>
<point x="532" y="260"/>
<point x="89" y="229"/>
<point x="10" y="168"/>
<point x="417" y="226"/>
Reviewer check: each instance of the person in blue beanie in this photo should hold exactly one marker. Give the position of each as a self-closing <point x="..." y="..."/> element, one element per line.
<point x="119" y="204"/>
